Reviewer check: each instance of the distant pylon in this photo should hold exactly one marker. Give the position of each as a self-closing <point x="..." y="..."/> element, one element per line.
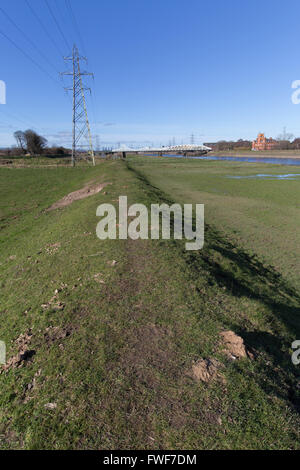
<point x="97" y="143"/>
<point x="81" y="125"/>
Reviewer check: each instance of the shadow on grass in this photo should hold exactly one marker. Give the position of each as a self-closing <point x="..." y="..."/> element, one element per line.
<point x="245" y="276"/>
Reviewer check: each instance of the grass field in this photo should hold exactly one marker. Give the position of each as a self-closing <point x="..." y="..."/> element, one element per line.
<point x="114" y="327"/>
<point x="260" y="214"/>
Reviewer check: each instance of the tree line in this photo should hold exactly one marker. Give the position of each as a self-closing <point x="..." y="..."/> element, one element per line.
<point x="281" y="144"/>
<point x="30" y="142"/>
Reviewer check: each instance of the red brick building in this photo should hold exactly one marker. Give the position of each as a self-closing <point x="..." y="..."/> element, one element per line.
<point x="262" y="143"/>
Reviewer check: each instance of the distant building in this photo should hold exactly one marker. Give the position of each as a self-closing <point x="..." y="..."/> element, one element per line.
<point x="262" y="143"/>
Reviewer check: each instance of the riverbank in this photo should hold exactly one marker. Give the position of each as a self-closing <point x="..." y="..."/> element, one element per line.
<point x="262" y="154"/>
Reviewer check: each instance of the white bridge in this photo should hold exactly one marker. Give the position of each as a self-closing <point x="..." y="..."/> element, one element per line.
<point x="175" y="149"/>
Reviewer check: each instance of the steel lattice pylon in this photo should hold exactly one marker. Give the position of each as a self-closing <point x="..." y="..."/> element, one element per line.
<point x="81" y="125"/>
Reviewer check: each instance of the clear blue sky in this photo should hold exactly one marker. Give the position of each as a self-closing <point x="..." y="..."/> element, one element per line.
<point x="220" y="69"/>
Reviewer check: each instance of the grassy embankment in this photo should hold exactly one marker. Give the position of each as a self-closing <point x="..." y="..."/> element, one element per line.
<point x="113" y="351"/>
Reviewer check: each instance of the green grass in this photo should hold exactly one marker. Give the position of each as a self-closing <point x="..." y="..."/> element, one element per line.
<point x="261" y="215"/>
<point x="120" y="378"/>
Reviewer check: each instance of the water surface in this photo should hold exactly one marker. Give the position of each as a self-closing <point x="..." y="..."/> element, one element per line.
<point x="289" y="176"/>
<point x="274" y="160"/>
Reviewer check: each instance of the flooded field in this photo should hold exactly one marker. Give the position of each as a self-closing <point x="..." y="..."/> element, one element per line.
<point x="273" y="160"/>
<point x="288" y="176"/>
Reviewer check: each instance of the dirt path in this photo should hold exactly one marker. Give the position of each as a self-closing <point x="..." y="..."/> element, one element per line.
<point x="86" y="191"/>
<point x="151" y="397"/>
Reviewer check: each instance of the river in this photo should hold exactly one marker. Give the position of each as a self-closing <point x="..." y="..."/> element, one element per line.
<point x="273" y="160"/>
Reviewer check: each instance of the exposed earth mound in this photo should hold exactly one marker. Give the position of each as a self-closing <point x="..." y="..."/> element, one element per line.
<point x="82" y="193"/>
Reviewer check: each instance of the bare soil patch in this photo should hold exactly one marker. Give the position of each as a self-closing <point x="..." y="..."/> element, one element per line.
<point x="54" y="302"/>
<point x="234" y="346"/>
<point x="205" y="370"/>
<point x="52" y="248"/>
<point x="54" y="333"/>
<point x="86" y="191"/>
<point x="23" y="354"/>
<point x="150" y="355"/>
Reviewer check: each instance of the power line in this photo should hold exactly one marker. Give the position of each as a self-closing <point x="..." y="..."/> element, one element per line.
<point x="93" y="97"/>
<point x="43" y="27"/>
<point x="61" y="17"/>
<point x="14" y="117"/>
<point x="27" y="38"/>
<point x="6" y="125"/>
<point x="75" y="24"/>
<point x="29" y="57"/>
<point x="57" y="24"/>
<point x="47" y="33"/>
<point x="58" y="9"/>
<point x="77" y="29"/>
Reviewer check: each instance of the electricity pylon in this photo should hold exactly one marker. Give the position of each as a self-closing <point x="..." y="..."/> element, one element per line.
<point x="81" y="125"/>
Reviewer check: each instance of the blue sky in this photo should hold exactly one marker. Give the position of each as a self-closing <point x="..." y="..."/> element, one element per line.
<point x="163" y="68"/>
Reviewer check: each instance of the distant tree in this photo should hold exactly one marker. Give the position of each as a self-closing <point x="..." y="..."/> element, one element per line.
<point x="230" y="145"/>
<point x="35" y="143"/>
<point x="296" y="143"/>
<point x="60" y="151"/>
<point x="284" y="144"/>
<point x="285" y="136"/>
<point x="30" y="141"/>
<point x="21" y="141"/>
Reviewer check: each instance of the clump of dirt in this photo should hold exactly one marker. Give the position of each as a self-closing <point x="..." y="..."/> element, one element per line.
<point x="234" y="346"/>
<point x="112" y="263"/>
<point x="54" y="302"/>
<point x="86" y="191"/>
<point x="54" y="333"/>
<point x="52" y="248"/>
<point x="24" y="354"/>
<point x="50" y="406"/>
<point x="99" y="278"/>
<point x="205" y="370"/>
